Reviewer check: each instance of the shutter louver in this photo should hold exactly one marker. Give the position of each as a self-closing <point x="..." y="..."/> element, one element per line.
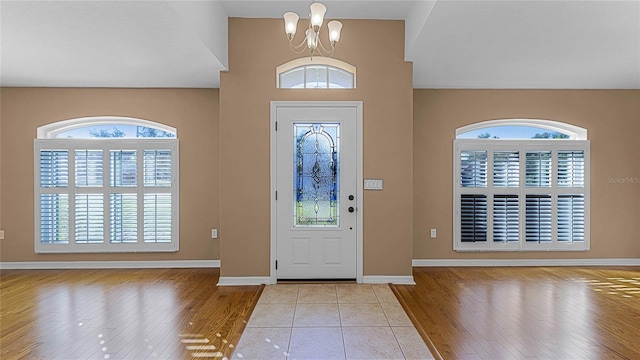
<point x="157" y="217"/>
<point x="506" y="169"/>
<point x="89" y="169"/>
<point x="54" y="168"/>
<point x="571" y="168"/>
<point x="473" y="169"/>
<point x="538" y="218"/>
<point x="123" y="166"/>
<point x="54" y="218"/>
<point x="89" y="218"/>
<point x="570" y="218"/>
<point x="538" y="169"/>
<point x="506" y="218"/>
<point x="157" y="168"/>
<point x="123" y="218"/>
<point x="473" y="218"/>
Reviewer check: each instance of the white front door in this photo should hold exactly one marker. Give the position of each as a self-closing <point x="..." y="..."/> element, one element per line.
<point x="316" y="188"/>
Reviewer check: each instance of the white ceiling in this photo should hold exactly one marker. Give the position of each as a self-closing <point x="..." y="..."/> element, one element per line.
<point x="453" y="44"/>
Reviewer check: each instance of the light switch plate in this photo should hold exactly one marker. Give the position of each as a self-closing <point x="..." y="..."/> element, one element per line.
<point x="433" y="233"/>
<point x="1" y="234"/>
<point x="214" y="233"/>
<point x="373" y="184"/>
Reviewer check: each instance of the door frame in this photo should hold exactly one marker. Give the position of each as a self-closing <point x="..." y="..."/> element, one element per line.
<point x="357" y="105"/>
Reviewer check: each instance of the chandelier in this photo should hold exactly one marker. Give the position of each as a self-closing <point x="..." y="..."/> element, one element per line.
<point x="312" y="34"/>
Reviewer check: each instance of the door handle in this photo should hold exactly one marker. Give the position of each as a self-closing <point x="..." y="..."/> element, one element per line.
<point x="351" y="209"/>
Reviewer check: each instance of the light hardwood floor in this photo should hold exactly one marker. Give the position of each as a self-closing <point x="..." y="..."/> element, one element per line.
<point x="527" y="313"/>
<point x="121" y="314"/>
<point x="467" y="313"/>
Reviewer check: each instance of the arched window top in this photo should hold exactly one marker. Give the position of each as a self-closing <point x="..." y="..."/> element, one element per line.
<point x="513" y="129"/>
<point x="105" y="127"/>
<point x="316" y="73"/>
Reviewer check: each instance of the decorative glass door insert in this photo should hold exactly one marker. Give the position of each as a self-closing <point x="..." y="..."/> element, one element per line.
<point x="316" y="175"/>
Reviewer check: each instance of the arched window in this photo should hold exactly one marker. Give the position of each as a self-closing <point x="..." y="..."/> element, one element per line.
<point x="106" y="184"/>
<point x="319" y="73"/>
<point x="521" y="184"/>
<point x="105" y="127"/>
<point x="521" y="129"/>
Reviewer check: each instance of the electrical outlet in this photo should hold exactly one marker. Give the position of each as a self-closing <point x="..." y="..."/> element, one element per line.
<point x="433" y="233"/>
<point x="1" y="234"/>
<point x="214" y="233"/>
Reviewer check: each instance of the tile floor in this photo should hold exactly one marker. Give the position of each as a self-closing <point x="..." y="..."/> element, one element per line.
<point x="330" y="321"/>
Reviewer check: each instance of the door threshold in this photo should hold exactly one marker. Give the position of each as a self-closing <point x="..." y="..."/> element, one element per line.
<point x="316" y="281"/>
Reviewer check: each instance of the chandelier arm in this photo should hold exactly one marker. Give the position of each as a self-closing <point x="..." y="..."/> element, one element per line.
<point x="298" y="49"/>
<point x="322" y="49"/>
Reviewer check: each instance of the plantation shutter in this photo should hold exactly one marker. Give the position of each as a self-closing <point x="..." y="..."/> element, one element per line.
<point x="89" y="218"/>
<point x="94" y="201"/>
<point x="537" y="197"/>
<point x="538" y="169"/>
<point x="571" y="168"/>
<point x="157" y="217"/>
<point x="123" y="168"/>
<point x="54" y="206"/>
<point x="89" y="169"/>
<point x="157" y="168"/>
<point x="538" y="217"/>
<point x="473" y="169"/>
<point x="54" y="218"/>
<point x="506" y="218"/>
<point x="473" y="218"/>
<point x="54" y="168"/>
<point x="571" y="218"/>
<point x="123" y="218"/>
<point x="506" y="169"/>
<point x="157" y="204"/>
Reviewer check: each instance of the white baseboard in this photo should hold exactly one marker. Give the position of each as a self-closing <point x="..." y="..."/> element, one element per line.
<point x="398" y="280"/>
<point x="243" y="280"/>
<point x="258" y="280"/>
<point x="526" y="262"/>
<point x="159" y="264"/>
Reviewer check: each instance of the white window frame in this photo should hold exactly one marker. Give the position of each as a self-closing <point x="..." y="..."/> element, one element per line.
<point x="321" y="61"/>
<point x="522" y="146"/>
<point x="50" y="131"/>
<point x="106" y="145"/>
<point x="574" y="132"/>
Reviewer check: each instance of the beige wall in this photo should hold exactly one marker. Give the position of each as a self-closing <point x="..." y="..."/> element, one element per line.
<point x="256" y="47"/>
<point x="1" y="222"/>
<point x="194" y="112"/>
<point x="612" y="118"/>
<point x="408" y="134"/>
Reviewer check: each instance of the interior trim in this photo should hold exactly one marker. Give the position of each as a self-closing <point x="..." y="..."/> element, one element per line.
<point x="526" y="262"/>
<point x="159" y="264"/>
<point x="388" y="279"/>
<point x="243" y="280"/>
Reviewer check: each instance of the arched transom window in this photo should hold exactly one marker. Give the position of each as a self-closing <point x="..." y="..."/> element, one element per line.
<point x="514" y="129"/>
<point x="316" y="73"/>
<point x="105" y="127"/>
<point x="106" y="184"/>
<point x="521" y="185"/>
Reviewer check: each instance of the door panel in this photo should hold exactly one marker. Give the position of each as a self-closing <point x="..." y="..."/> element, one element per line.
<point x="316" y="174"/>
